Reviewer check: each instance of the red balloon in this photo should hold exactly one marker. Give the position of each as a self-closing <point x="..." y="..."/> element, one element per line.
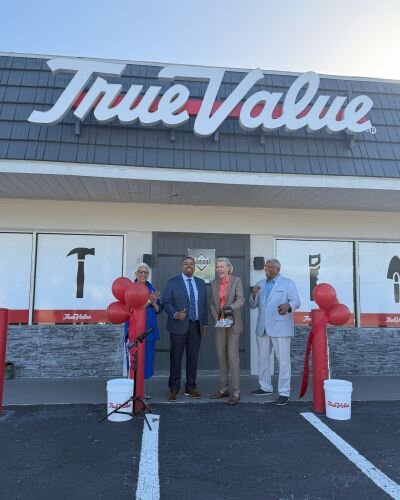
<point x="325" y="296"/>
<point x="339" y="314"/>
<point x="117" y="312"/>
<point x="136" y="295"/>
<point x="119" y="286"/>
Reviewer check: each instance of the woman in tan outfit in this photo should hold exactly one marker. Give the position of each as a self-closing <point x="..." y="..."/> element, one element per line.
<point x="226" y="300"/>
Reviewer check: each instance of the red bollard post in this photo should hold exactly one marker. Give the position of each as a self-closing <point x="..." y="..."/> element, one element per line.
<point x="3" y="344"/>
<point x="319" y="358"/>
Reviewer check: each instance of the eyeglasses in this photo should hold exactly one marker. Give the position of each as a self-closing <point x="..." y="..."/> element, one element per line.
<point x="142" y="272"/>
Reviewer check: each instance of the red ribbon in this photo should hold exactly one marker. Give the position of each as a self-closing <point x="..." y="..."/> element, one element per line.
<point x="306" y="369"/>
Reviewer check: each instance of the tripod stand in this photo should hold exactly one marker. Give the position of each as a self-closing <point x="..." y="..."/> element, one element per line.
<point x="137" y="401"/>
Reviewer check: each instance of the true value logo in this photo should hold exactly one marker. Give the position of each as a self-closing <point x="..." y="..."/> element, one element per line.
<point x="300" y="107"/>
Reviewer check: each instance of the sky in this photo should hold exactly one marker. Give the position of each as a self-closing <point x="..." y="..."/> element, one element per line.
<point x="337" y="37"/>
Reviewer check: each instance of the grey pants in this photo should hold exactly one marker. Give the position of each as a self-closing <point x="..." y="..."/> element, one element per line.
<point x="227" y="344"/>
<point x="281" y="347"/>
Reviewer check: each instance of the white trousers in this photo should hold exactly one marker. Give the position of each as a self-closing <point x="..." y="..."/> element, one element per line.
<point x="281" y="347"/>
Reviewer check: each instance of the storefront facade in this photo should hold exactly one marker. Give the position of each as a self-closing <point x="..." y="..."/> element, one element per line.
<point x="154" y="184"/>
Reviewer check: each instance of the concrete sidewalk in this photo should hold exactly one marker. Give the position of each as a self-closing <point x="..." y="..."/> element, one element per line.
<point x="93" y="390"/>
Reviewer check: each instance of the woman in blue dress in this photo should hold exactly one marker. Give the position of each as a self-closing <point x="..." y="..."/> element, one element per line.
<point x="153" y="308"/>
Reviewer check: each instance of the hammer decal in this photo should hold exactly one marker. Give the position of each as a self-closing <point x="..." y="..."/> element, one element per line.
<point x="80" y="276"/>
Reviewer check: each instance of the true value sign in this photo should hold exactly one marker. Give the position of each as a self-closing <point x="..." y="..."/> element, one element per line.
<point x="300" y="107"/>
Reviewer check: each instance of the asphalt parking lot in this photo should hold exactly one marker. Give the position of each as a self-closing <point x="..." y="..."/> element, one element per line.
<point x="206" y="451"/>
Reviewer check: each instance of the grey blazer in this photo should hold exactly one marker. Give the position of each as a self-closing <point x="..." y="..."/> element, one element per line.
<point x="268" y="318"/>
<point x="234" y="298"/>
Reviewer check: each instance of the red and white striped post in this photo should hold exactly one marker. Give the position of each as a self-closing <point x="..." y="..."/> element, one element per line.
<point x="3" y="344"/>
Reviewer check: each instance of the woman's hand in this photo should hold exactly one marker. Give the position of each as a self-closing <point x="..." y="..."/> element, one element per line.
<point x="154" y="296"/>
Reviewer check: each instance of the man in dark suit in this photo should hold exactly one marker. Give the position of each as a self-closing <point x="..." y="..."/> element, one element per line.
<point x="185" y="302"/>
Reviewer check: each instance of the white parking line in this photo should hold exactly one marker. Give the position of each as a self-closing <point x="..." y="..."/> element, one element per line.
<point x="148" y="486"/>
<point x="368" y="468"/>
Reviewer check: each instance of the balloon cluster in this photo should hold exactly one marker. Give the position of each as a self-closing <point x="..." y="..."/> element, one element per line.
<point x="325" y="296"/>
<point x="129" y="296"/>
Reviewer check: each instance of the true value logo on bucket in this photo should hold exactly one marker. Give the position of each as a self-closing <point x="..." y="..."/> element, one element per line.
<point x="300" y="107"/>
<point x="118" y="405"/>
<point x="337" y="405"/>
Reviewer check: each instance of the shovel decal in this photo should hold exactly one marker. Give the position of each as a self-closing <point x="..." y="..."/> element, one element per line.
<point x="314" y="262"/>
<point x="394" y="274"/>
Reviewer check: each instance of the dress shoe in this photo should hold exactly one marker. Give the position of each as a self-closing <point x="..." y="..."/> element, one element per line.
<point x="234" y="399"/>
<point x="281" y="401"/>
<point x="172" y="396"/>
<point x="193" y="393"/>
<point x="261" y="392"/>
<point x="219" y="395"/>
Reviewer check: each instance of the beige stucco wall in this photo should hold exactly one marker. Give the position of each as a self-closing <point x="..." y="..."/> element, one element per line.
<point x="120" y="217"/>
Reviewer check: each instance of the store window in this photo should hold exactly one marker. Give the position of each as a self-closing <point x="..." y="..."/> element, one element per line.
<point x="379" y="272"/>
<point x="73" y="277"/>
<point x="310" y="262"/>
<point x="15" y="273"/>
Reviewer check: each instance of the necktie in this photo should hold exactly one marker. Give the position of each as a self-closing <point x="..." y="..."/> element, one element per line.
<point x="192" y="306"/>
<point x="268" y="288"/>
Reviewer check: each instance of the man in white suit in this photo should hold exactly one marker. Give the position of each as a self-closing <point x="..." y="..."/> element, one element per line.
<point x="276" y="298"/>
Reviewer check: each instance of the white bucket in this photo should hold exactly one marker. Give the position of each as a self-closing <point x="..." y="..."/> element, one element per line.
<point x="338" y="399"/>
<point x="119" y="390"/>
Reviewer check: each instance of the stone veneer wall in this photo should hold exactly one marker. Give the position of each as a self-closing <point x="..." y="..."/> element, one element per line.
<point x="354" y="351"/>
<point x="53" y="351"/>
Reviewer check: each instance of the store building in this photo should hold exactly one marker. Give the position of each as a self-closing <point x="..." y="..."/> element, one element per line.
<point x="212" y="162"/>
